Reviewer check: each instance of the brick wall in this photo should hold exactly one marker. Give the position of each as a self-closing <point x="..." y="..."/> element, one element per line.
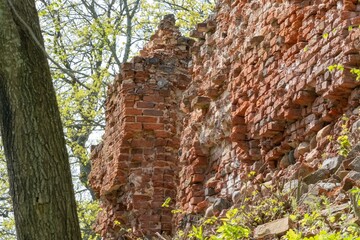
<point x="135" y="168"/>
<point x="257" y="97"/>
<point x="261" y="97"/>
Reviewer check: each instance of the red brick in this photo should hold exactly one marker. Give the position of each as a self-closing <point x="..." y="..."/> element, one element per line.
<point x="197" y="178"/>
<point x="162" y="134"/>
<point x="144" y="119"/>
<point x="153" y="126"/>
<point x="196" y="200"/>
<point x="142" y="143"/>
<point x="129" y="119"/>
<point x="155" y="99"/>
<point x="133" y="126"/>
<point x="132" y="111"/>
<point x="152" y="112"/>
<point x="145" y="104"/>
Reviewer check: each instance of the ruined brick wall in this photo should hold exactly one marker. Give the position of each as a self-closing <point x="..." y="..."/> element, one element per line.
<point x="135" y="168"/>
<point x="261" y="97"/>
<point x="256" y="96"/>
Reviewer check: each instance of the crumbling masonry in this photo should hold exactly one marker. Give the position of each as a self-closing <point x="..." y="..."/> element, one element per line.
<point x="188" y="120"/>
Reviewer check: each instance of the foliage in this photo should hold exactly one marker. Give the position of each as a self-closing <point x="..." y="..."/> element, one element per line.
<point x="7" y="223"/>
<point x="238" y="223"/>
<point x="343" y="139"/>
<point x="188" y="13"/>
<point x="166" y="203"/>
<point x="356" y="72"/>
<point x="87" y="212"/>
<point x="315" y="219"/>
<point x="334" y="67"/>
<point x="355" y="200"/>
<point x="90" y="40"/>
<point x="226" y="228"/>
<point x="312" y="218"/>
<point x="230" y="228"/>
<point x="323" y="235"/>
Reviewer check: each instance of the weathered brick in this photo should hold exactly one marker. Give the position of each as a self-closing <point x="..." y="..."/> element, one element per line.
<point x="152" y="112"/>
<point x="145" y="104"/>
<point x="133" y="126"/>
<point x="132" y="111"/>
<point x="153" y="126"/>
<point x="144" y="119"/>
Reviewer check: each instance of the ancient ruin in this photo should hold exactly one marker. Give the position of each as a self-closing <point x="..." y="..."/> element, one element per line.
<point x="189" y="120"/>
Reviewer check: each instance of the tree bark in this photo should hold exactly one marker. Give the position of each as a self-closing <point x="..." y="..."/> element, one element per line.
<point x="38" y="166"/>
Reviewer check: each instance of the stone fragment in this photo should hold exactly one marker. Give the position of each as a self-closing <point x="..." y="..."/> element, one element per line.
<point x="316" y="176"/>
<point x="257" y="166"/>
<point x="355" y="128"/>
<point x="334" y="209"/>
<point x="351" y="179"/>
<point x="342" y="174"/>
<point x="323" y="133"/>
<point x="221" y="204"/>
<point x="355" y="164"/>
<point x="301" y="149"/>
<point x="209" y="212"/>
<point x="284" y="162"/>
<point x="247" y="189"/>
<point x="235" y="197"/>
<point x="312" y="155"/>
<point x="303" y="170"/>
<point x="328" y="186"/>
<point x="257" y="39"/>
<point x="209" y="191"/>
<point x="200" y="102"/>
<point x="276" y="227"/>
<point x="293" y="187"/>
<point x="354" y="152"/>
<point x="313" y="143"/>
<point x="332" y="164"/>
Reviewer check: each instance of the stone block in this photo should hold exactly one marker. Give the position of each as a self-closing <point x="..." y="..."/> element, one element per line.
<point x="274" y="228"/>
<point x="200" y="102"/>
<point x="332" y="164"/>
<point x="317" y="176"/>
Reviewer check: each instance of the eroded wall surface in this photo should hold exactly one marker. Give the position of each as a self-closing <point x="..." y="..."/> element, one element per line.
<point x="256" y="98"/>
<point x="135" y="169"/>
<point x="262" y="99"/>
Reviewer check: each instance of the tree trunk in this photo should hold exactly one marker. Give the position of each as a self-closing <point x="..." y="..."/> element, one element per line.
<point x="39" y="171"/>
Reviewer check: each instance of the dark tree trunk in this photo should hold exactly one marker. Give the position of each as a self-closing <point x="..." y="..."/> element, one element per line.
<point x="39" y="171"/>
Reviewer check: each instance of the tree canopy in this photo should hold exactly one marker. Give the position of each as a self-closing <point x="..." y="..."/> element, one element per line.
<point x="86" y="42"/>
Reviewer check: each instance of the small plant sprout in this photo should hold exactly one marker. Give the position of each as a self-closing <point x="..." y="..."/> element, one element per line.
<point x="176" y="211"/>
<point x="356" y="72"/>
<point x="334" y="67"/>
<point x="197" y="233"/>
<point x="343" y="139"/>
<point x="251" y="174"/>
<point x="325" y="35"/>
<point x="166" y="203"/>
